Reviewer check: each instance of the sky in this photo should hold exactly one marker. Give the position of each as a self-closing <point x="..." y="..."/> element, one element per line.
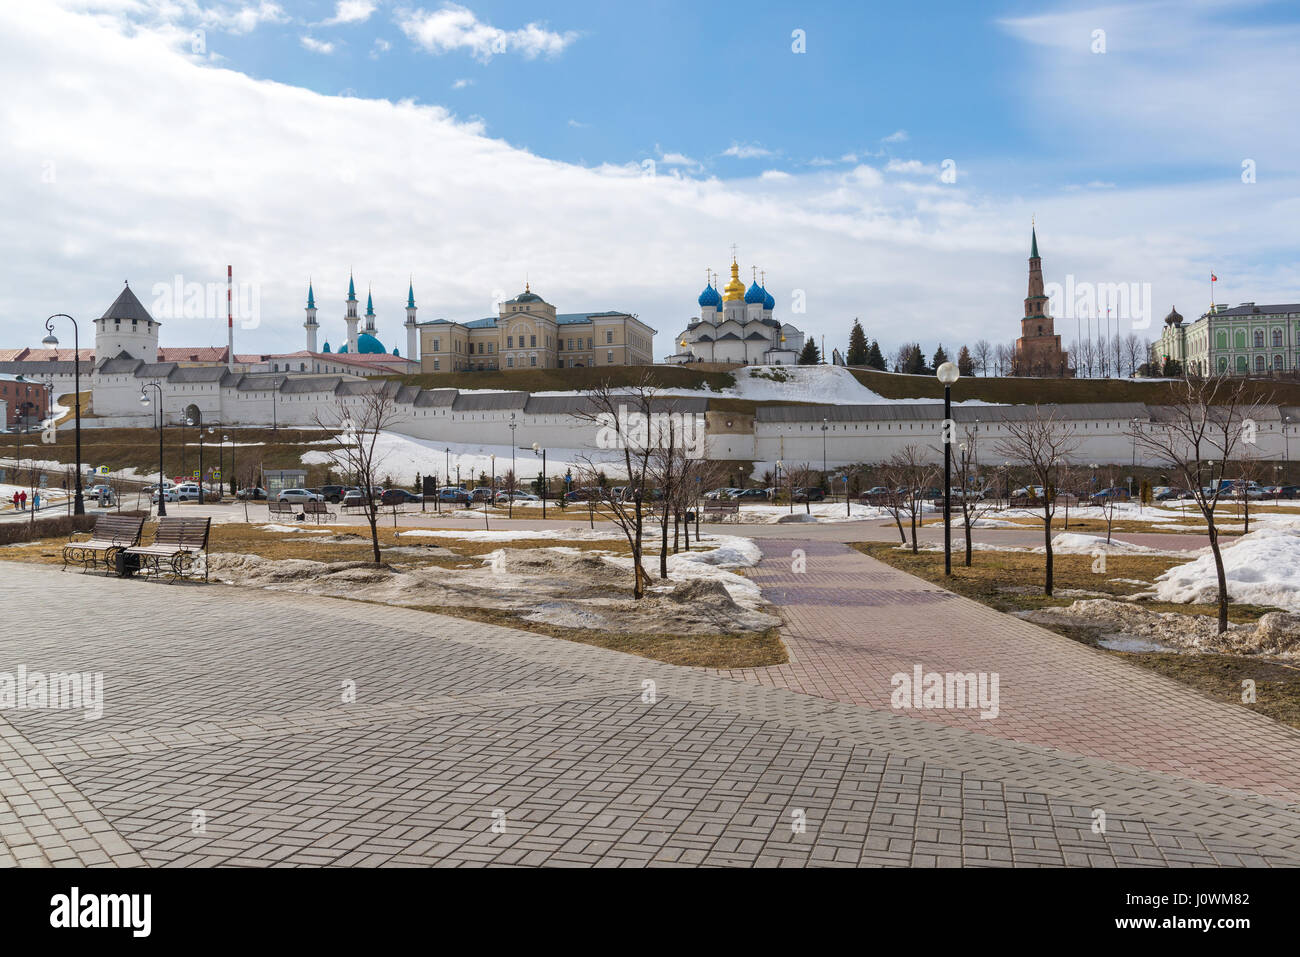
<point x="875" y="161"/>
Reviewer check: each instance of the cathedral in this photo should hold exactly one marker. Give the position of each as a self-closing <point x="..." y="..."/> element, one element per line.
<point x="737" y="326"/>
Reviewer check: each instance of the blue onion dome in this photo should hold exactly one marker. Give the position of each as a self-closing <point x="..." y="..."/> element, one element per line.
<point x="344" y="349"/>
<point x="718" y="308"/>
<point x="396" y="353"/>
<point x="755" y="295"/>
<point x="327" y="347"/>
<point x="768" y="302"/>
<point x="366" y="343"/>
<point x="710" y="296"/>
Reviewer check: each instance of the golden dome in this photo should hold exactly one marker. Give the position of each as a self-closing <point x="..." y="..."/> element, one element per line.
<point x="735" y="289"/>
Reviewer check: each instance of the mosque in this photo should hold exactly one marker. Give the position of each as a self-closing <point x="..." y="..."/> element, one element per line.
<point x="736" y="325"/>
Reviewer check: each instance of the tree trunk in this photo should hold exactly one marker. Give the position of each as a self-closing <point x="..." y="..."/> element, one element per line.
<point x="966" y="521"/>
<point x="902" y="533"/>
<point x="1223" y="578"/>
<point x="663" y="542"/>
<point x="1047" y="541"/>
<point x="637" y="590"/>
<point x="914" y="548"/>
<point x="677" y="531"/>
<point x="374" y="533"/>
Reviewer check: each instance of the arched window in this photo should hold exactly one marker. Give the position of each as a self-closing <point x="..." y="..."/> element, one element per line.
<point x="1241" y="364"/>
<point x="1221" y="340"/>
<point x="1223" y="364"/>
<point x="1277" y="363"/>
<point x="1277" y="338"/>
<point x="1259" y="338"/>
<point x="1259" y="363"/>
<point x="1240" y="338"/>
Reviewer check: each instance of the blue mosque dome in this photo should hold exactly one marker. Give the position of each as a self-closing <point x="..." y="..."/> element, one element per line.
<point x="366" y="343"/>
<point x="768" y="302"/>
<point x="755" y="294"/>
<point x="327" y="347"/>
<point x="343" y="348"/>
<point x="710" y="297"/>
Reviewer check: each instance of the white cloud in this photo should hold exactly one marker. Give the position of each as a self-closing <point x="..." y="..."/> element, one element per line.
<point x="243" y="190"/>
<point x="898" y="136"/>
<point x="316" y="46"/>
<point x="578" y="125"/>
<point x="453" y="27"/>
<point x="911" y="167"/>
<point x="379" y="46"/>
<point x="352" y="11"/>
<point x="746" y="151"/>
<point x="461" y="84"/>
<point x="774" y="174"/>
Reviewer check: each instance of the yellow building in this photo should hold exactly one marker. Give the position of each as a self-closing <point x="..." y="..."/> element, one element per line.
<point x="527" y="333"/>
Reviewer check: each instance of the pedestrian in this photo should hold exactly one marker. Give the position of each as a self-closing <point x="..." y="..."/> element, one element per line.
<point x="15" y="501"/>
<point x="36" y="501"/>
<point x="22" y="501"/>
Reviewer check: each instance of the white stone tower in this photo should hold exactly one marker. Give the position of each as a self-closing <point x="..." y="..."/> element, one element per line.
<point x="126" y="327"/>
<point x="310" y="325"/>
<point x="412" y="333"/>
<point x="352" y="318"/>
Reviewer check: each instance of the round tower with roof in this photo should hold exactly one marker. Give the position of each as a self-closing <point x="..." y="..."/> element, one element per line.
<point x="311" y="325"/>
<point x="126" y="327"/>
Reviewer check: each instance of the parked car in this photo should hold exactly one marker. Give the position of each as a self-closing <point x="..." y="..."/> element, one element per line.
<point x="254" y="493"/>
<point x="355" y="497"/>
<point x="504" y="497"/>
<point x="399" y="496"/>
<point x="809" y="494"/>
<point x="298" y="496"/>
<point x="481" y="494"/>
<point x="1106" y="495"/>
<point x="1284" y="491"/>
<point x="331" y="493"/>
<point x="1168" y="493"/>
<point x="453" y="494"/>
<point x="103" y="494"/>
<point x="726" y="492"/>
<point x="753" y="495"/>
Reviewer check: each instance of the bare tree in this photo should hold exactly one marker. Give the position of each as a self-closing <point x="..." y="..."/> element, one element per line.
<point x="804" y="476"/>
<point x="633" y="421"/>
<point x="361" y="419"/>
<point x="1207" y="427"/>
<point x="915" y="473"/>
<point x="970" y="482"/>
<point x="1135" y="351"/>
<point x="250" y="471"/>
<point x="1042" y="442"/>
<point x="982" y="353"/>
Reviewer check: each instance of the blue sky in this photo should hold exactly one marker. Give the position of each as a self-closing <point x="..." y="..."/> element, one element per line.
<point x="470" y="145"/>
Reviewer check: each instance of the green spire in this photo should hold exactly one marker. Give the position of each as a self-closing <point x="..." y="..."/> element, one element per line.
<point x="1033" y="250"/>
<point x="410" y="295"/>
<point x="352" y="290"/>
<point x="311" y="296"/>
<point x="370" y="304"/>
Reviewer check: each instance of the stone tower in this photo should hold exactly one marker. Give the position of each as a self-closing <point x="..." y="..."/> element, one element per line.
<point x="1038" y="350"/>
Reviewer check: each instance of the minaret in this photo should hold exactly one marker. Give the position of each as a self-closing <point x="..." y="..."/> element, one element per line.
<point x="310" y="325"/>
<point x="370" y="313"/>
<point x="412" y="334"/>
<point x="351" y="318"/>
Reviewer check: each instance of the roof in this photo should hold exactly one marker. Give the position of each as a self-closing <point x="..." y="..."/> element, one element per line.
<point x="192" y="353"/>
<point x="197" y="374"/>
<point x="1252" y="309"/>
<point x="489" y="401"/>
<point x="933" y="411"/>
<point x="127" y="306"/>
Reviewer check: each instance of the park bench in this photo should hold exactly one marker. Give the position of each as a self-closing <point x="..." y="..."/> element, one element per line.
<point x="178" y="542"/>
<point x="111" y="534"/>
<point x="721" y="508"/>
<point x="321" y="510"/>
<point x="280" y="508"/>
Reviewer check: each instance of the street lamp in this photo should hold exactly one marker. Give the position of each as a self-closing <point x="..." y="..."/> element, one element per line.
<point x="52" y="342"/>
<point x="144" y="401"/>
<point x="947" y="374"/>
<point x="197" y="420"/>
<point x="543" y="451"/>
<point x="824" y="428"/>
<point x="514" y="476"/>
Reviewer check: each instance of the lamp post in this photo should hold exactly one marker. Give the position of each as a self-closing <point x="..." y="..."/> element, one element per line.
<point x="947" y="374"/>
<point x="197" y="420"/>
<point x="144" y="401"/>
<point x="824" y="428"/>
<point x="535" y="448"/>
<point x="514" y="476"/>
<point x="221" y="452"/>
<point x="52" y="342"/>
<point x="1286" y="438"/>
<point x="233" y="474"/>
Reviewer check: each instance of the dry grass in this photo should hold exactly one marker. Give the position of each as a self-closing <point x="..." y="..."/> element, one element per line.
<point x="1217" y="676"/>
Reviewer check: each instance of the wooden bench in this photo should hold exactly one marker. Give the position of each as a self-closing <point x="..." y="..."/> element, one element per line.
<point x="319" y="509"/>
<point x="111" y="534"/>
<point x="280" y="508"/>
<point x="178" y="542"/>
<point x="732" y="508"/>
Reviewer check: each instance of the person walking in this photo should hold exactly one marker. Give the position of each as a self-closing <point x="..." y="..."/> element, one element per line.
<point x="36" y="501"/>
<point x="22" y="501"/>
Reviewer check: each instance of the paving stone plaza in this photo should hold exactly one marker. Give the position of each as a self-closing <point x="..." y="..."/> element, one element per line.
<point x="259" y="728"/>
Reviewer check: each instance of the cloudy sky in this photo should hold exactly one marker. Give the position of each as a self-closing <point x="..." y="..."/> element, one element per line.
<point x="879" y="161"/>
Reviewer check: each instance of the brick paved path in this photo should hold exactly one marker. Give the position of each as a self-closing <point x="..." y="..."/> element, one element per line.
<point x="225" y="740"/>
<point x="853" y="622"/>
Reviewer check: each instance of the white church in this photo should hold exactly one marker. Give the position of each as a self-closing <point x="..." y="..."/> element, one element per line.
<point x="737" y="326"/>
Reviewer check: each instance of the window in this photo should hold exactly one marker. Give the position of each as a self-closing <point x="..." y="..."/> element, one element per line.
<point x="609" y="356"/>
<point x="609" y="335"/>
<point x="1259" y="363"/>
<point x="532" y="342"/>
<point x="510" y="362"/>
<point x="570" y="345"/>
<point x="1241" y="361"/>
<point x="510" y="342"/>
<point x="1223" y="364"/>
<point x="532" y="360"/>
<point x="492" y="348"/>
<point x="1221" y="340"/>
<point x="1259" y="338"/>
<point x="1277" y="363"/>
<point x="589" y="342"/>
<point x="437" y="364"/>
<point x="1277" y="338"/>
<point x="480" y="348"/>
<point x="436" y="346"/>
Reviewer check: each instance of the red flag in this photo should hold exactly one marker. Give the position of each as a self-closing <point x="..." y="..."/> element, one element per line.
<point x="1213" y="278"/>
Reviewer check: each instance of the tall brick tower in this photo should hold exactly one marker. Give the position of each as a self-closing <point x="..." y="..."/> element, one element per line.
<point x="1038" y="350"/>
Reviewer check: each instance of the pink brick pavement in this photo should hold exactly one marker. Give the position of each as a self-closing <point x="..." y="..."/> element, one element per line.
<point x="853" y="622"/>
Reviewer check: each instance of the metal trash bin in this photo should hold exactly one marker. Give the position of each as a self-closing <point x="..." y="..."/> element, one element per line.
<point x="125" y="565"/>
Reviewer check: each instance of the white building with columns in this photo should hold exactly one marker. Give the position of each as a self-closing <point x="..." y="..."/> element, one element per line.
<point x="737" y="326"/>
